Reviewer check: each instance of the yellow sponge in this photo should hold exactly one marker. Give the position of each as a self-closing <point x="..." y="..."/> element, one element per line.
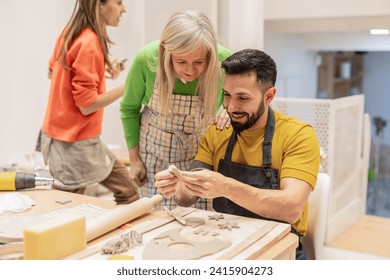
<point x="55" y="239"/>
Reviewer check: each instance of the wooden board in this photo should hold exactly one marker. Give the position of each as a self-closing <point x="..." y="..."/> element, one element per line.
<point x="248" y="235"/>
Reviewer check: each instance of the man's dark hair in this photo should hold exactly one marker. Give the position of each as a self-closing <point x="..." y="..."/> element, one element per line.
<point x="251" y="60"/>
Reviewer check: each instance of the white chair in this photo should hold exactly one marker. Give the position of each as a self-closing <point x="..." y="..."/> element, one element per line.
<point x="314" y="240"/>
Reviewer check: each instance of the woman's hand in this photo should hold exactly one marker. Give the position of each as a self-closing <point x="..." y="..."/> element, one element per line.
<point x="116" y="69"/>
<point x="138" y="173"/>
<point x="222" y="119"/>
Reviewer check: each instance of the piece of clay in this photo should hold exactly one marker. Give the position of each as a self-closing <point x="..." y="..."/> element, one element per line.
<point x="216" y="217"/>
<point x="179" y="248"/>
<point x="116" y="245"/>
<point x="228" y="226"/>
<point x="173" y="169"/>
<point x="63" y="201"/>
<point x="122" y="243"/>
<point x="194" y="221"/>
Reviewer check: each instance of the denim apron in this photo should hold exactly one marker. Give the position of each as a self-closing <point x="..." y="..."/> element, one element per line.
<point x="262" y="177"/>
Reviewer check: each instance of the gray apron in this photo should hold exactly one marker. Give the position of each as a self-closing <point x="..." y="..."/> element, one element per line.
<point x="262" y="177"/>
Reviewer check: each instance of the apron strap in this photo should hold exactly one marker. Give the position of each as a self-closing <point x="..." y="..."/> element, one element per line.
<point x="229" y="149"/>
<point x="269" y="134"/>
<point x="267" y="145"/>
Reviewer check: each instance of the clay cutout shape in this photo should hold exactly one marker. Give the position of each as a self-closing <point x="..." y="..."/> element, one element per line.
<point x="216" y="217"/>
<point x="122" y="243"/>
<point x="194" y="221"/>
<point x="170" y="245"/>
<point x="228" y="226"/>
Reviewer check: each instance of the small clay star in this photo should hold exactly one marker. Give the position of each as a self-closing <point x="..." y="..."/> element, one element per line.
<point x="216" y="217"/>
<point x="228" y="226"/>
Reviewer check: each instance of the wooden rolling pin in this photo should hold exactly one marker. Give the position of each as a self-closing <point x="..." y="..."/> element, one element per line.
<point x="120" y="215"/>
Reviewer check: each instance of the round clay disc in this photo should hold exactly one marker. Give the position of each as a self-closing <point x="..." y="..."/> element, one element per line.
<point x="194" y="221"/>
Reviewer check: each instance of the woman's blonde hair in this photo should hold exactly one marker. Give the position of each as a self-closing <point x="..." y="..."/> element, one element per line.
<point x="185" y="32"/>
<point x="86" y="13"/>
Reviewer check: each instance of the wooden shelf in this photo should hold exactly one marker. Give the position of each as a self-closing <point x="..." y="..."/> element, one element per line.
<point x="340" y="74"/>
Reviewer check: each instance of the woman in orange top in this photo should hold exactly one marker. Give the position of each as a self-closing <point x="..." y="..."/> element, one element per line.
<point x="80" y="63"/>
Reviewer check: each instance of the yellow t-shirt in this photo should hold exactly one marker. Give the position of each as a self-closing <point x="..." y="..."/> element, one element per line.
<point x="295" y="151"/>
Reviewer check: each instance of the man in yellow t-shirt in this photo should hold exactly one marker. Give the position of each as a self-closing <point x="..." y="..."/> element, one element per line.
<point x="264" y="166"/>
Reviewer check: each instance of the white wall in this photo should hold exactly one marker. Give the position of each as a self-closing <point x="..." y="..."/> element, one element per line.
<point x="287" y="9"/>
<point x="332" y="25"/>
<point x="28" y="33"/>
<point x="241" y="23"/>
<point x="159" y="11"/>
<point x="354" y="41"/>
<point x="297" y="69"/>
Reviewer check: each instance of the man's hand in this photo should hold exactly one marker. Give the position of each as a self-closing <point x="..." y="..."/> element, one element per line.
<point x="204" y="183"/>
<point x="166" y="183"/>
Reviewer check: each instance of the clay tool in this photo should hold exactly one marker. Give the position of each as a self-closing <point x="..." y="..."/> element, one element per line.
<point x="177" y="217"/>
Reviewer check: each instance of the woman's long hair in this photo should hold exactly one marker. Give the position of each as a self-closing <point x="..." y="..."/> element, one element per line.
<point x="86" y="13"/>
<point x="185" y="32"/>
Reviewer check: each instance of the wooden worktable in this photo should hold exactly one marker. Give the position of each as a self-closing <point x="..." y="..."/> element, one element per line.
<point x="277" y="244"/>
<point x="46" y="200"/>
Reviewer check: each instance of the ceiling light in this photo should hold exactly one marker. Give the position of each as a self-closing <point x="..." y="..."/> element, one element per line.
<point x="379" y="31"/>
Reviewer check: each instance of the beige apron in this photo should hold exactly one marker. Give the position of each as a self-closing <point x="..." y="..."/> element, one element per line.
<point x="78" y="164"/>
<point x="171" y="139"/>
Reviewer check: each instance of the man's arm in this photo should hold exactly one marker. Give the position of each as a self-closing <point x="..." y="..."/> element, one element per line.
<point x="285" y="204"/>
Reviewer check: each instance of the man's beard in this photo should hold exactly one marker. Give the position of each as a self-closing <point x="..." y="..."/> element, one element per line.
<point x="237" y="126"/>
